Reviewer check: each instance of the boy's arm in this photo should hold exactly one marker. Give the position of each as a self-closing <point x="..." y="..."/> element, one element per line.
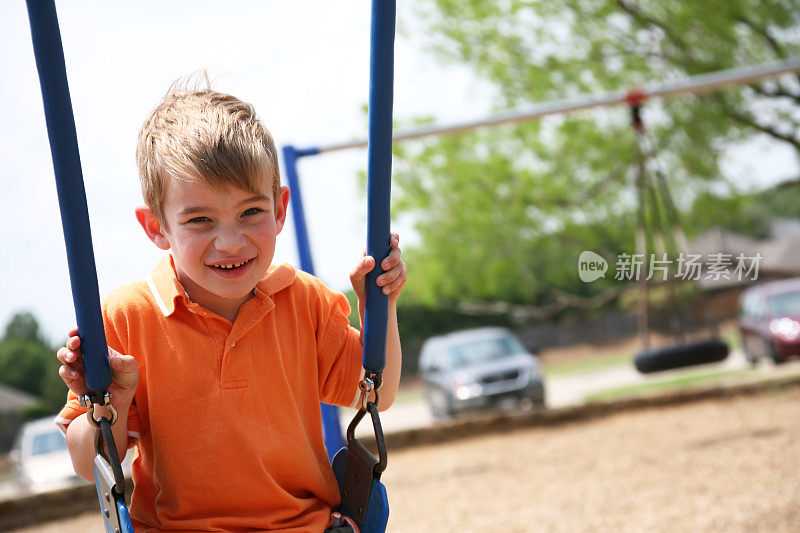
<point x="80" y="437"/>
<point x="394" y="361"/>
<point x="392" y="281"/>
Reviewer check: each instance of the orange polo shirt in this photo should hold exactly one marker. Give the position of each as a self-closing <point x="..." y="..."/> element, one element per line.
<point x="227" y="415"/>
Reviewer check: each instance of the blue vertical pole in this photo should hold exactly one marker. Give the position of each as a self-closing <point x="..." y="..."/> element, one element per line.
<point x="379" y="179"/>
<point x="331" y="428"/>
<point x="71" y="194"/>
<point x="290" y="157"/>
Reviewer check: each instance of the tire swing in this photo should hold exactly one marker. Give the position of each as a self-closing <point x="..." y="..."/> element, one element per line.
<point x="658" y="223"/>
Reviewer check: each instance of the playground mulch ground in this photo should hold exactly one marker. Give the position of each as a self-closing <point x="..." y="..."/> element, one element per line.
<point x="724" y="464"/>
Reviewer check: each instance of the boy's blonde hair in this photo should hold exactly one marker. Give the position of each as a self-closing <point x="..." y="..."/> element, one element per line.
<point x="197" y="134"/>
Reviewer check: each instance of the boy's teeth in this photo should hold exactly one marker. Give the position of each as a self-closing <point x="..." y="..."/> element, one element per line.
<point x="230" y="267"/>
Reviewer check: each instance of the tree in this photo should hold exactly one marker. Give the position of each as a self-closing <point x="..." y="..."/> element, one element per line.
<point x="23" y="326"/>
<point x="537" y="51"/>
<point x="503" y="213"/>
<point x="27" y="363"/>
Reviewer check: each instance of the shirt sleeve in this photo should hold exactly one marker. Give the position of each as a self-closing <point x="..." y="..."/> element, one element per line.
<point x="339" y="352"/>
<point x="72" y="409"/>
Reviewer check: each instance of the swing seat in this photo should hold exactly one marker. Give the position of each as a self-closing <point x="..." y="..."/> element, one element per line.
<point x="377" y="512"/>
<point x="116" y="517"/>
<point x="681" y="355"/>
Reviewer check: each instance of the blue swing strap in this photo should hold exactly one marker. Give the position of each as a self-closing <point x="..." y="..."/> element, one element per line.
<point x="71" y="194"/>
<point x="52" y="70"/>
<point x="357" y="469"/>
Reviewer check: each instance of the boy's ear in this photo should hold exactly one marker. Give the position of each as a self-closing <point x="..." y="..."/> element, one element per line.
<point x="282" y="204"/>
<point x="152" y="227"/>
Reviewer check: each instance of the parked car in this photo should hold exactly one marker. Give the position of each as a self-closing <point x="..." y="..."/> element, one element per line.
<point x="769" y="321"/>
<point x="41" y="459"/>
<point x="478" y="369"/>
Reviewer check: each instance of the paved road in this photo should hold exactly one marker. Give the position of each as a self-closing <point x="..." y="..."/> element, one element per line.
<point x="562" y="391"/>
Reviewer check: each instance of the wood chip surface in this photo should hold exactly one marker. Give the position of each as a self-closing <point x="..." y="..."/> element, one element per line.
<point x="729" y="464"/>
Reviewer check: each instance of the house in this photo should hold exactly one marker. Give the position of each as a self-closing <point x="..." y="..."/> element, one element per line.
<point x="12" y="401"/>
<point x="731" y="262"/>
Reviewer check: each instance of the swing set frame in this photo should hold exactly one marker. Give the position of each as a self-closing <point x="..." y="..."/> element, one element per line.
<point x="632" y="98"/>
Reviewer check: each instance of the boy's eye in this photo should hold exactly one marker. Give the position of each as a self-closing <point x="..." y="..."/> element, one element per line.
<point x="198" y="220"/>
<point x="252" y="211"/>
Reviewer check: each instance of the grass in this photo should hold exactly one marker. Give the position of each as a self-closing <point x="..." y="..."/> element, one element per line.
<point x="668" y="385"/>
<point x="603" y="361"/>
<point x="410" y="392"/>
<point x="732" y="337"/>
<point x="587" y="364"/>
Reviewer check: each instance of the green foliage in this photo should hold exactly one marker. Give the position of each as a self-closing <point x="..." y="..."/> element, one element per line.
<point x="503" y="213"/>
<point x="783" y="200"/>
<point x="536" y="50"/>
<point x="27" y="363"/>
<point x="24" y="364"/>
<point x="738" y="213"/>
<point x="23" y="326"/>
<point x="747" y="213"/>
<point x="496" y="210"/>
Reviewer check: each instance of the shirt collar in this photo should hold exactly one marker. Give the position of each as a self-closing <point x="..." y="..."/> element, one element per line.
<point x="278" y="278"/>
<point x="167" y="290"/>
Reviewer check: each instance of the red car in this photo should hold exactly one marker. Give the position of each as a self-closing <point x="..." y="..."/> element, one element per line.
<point x="770" y="320"/>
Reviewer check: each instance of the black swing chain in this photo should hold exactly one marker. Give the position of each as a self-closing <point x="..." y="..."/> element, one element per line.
<point x="106" y="447"/>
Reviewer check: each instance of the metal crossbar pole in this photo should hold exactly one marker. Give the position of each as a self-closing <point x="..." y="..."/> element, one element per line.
<point x="696" y="84"/>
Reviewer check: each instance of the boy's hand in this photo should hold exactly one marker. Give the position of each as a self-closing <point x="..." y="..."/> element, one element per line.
<point x="124" y="369"/>
<point x="392" y="280"/>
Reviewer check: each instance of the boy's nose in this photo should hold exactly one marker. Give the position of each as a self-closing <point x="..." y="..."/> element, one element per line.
<point x="229" y="241"/>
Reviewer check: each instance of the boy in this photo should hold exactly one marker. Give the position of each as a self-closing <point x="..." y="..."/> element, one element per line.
<point x="219" y="359"/>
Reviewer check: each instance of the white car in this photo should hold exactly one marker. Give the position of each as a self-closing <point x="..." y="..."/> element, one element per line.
<point x="42" y="461"/>
<point x="41" y="458"/>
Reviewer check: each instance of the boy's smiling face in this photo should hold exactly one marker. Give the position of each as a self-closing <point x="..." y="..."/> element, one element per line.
<point x="222" y="239"/>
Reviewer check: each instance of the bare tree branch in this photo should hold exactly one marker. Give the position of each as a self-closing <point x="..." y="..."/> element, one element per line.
<point x="648" y="20"/>
<point x="779" y="92"/>
<point x="748" y="120"/>
<point x="592" y="191"/>
<point x="763" y="32"/>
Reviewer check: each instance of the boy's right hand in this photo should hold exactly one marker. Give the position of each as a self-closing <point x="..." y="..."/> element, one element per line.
<point x="124" y="369"/>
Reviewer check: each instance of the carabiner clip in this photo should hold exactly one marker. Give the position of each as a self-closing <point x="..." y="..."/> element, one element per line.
<point x="380" y="441"/>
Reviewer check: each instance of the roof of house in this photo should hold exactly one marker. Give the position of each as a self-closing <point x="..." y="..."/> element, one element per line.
<point x="12" y="400"/>
<point x="776" y="256"/>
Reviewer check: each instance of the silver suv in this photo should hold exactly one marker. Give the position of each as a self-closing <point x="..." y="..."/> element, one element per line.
<point x="477" y="369"/>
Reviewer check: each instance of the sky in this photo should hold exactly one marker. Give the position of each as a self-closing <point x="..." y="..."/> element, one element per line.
<point x="304" y="65"/>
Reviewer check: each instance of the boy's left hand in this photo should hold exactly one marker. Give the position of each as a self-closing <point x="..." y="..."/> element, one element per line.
<point x="392" y="280"/>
